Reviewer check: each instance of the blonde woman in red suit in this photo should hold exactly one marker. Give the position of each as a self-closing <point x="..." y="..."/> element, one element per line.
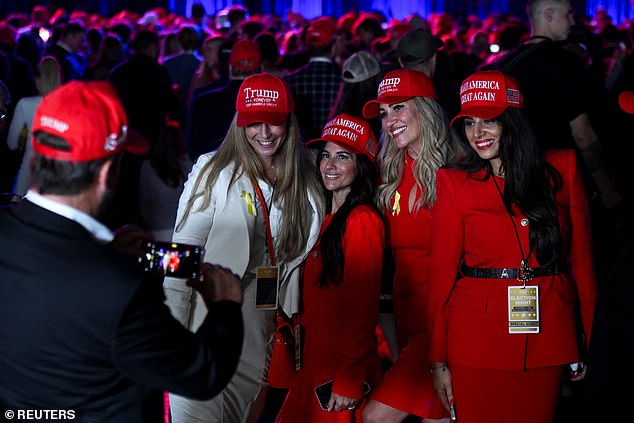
<point x="341" y="282"/>
<point x="515" y="224"/>
<point x="416" y="142"/>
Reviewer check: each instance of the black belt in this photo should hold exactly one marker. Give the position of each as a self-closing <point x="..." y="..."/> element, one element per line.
<point x="511" y="272"/>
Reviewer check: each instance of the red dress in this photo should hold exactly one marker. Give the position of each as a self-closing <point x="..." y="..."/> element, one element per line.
<point x="471" y="327"/>
<point x="408" y="386"/>
<point x="338" y="323"/>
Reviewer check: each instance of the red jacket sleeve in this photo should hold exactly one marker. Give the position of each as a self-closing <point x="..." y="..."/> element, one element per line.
<point x="446" y="253"/>
<point x="581" y="257"/>
<point x="363" y="245"/>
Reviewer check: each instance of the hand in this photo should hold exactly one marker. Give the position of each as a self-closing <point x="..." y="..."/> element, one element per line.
<point x="442" y="384"/>
<point x="129" y="240"/>
<point x="611" y="199"/>
<point x="9" y="198"/>
<point x="340" y="403"/>
<point x="579" y="373"/>
<point x="217" y="284"/>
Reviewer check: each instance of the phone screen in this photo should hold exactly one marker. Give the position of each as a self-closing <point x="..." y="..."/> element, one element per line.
<point x="323" y="392"/>
<point x="172" y="259"/>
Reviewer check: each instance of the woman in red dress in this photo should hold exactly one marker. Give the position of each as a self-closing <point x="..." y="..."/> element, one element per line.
<point x="416" y="142"/>
<point x="515" y="224"/>
<point x="341" y="283"/>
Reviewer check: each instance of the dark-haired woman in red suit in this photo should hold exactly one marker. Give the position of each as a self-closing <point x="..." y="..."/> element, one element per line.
<point x="340" y="283"/>
<point x="514" y="225"/>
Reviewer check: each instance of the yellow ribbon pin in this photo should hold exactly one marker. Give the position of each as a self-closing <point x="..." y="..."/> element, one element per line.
<point x="396" y="207"/>
<point x="253" y="211"/>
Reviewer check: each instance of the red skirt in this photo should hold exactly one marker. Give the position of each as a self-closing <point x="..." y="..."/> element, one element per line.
<point x="408" y="385"/>
<point x="506" y="396"/>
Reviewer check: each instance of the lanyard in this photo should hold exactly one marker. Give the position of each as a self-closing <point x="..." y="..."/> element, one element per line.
<point x="525" y="270"/>
<point x="265" y="214"/>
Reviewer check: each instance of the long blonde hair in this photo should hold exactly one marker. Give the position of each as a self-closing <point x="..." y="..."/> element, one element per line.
<point x="295" y="178"/>
<point x="439" y="146"/>
<point x="48" y="75"/>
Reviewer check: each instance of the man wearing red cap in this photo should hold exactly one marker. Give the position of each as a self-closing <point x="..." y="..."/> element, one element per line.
<point x="85" y="334"/>
<point x="315" y="86"/>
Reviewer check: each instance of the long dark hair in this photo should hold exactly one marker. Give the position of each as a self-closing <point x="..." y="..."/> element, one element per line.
<point x="167" y="155"/>
<point x="330" y="247"/>
<point x="530" y="182"/>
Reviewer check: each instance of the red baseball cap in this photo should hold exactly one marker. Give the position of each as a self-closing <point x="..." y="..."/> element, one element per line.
<point x="626" y="101"/>
<point x="321" y="32"/>
<point x="487" y="94"/>
<point x="263" y="98"/>
<point x="398" y="86"/>
<point x="245" y="55"/>
<point x="90" y="117"/>
<point x="350" y="132"/>
<point x="397" y="29"/>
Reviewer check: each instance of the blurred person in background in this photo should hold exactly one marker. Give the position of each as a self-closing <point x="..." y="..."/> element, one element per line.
<point x="47" y="78"/>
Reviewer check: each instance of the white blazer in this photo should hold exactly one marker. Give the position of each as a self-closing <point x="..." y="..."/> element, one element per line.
<point x="23" y="115"/>
<point x="226" y="229"/>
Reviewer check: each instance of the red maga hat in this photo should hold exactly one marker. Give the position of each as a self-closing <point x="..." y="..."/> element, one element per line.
<point x="487" y="94"/>
<point x="626" y="101"/>
<point x="263" y="98"/>
<point x="350" y="132"/>
<point x="90" y="117"/>
<point x="245" y="55"/>
<point x="321" y="32"/>
<point x="398" y="86"/>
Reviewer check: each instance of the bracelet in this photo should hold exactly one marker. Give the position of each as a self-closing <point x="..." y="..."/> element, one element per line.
<point x="438" y="366"/>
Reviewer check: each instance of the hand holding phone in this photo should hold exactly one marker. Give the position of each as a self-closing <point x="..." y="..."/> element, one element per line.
<point x="324" y="394"/>
<point x="217" y="284"/>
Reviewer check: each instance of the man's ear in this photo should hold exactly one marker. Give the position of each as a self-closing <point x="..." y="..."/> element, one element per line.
<point x="102" y="176"/>
<point x="548" y="14"/>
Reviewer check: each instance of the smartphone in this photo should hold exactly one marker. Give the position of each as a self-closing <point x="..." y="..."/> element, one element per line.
<point x="324" y="391"/>
<point x="172" y="259"/>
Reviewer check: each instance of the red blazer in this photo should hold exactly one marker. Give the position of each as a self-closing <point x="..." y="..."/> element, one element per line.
<point x="338" y="323"/>
<point x="471" y="223"/>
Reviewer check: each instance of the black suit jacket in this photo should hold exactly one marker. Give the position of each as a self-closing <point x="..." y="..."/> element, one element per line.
<point x="82" y="329"/>
<point x="611" y="367"/>
<point x="209" y="118"/>
<point x="65" y="59"/>
<point x="145" y="89"/>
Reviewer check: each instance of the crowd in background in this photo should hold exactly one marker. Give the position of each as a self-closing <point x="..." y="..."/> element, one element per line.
<point x="195" y="52"/>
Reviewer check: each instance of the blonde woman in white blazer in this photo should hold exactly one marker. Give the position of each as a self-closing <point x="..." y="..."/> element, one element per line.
<point x="220" y="209"/>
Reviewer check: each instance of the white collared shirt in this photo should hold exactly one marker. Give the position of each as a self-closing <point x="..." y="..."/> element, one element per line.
<point x="98" y="231"/>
